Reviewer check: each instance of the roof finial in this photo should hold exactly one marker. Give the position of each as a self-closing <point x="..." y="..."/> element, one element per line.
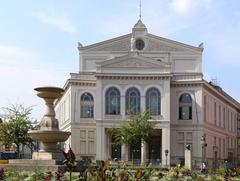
<point x="140" y="9"/>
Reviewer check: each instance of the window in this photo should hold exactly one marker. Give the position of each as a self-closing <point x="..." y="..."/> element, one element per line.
<point x="185" y="107"/>
<point x="215" y="113"/>
<point x="219" y="115"/>
<point x="140" y="44"/>
<point x="132" y="101"/>
<point x="112" y="104"/>
<point x="205" y="108"/>
<point x="87" y="105"/>
<point x="153" y="101"/>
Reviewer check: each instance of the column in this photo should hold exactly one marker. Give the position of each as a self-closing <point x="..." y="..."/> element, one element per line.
<point x="100" y="143"/>
<point x="166" y="147"/>
<point x="124" y="152"/>
<point x="188" y="158"/>
<point x="143" y="152"/>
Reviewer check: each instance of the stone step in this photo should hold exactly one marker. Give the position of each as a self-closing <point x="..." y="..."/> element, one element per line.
<point x="34" y="162"/>
<point x="19" y="167"/>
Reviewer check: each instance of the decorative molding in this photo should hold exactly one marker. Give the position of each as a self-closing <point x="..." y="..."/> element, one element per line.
<point x="187" y="77"/>
<point x="187" y="84"/>
<point x="154" y="45"/>
<point x="122" y="45"/>
<point x="83" y="76"/>
<point x="71" y="82"/>
<point x="133" y="77"/>
<point x="132" y="63"/>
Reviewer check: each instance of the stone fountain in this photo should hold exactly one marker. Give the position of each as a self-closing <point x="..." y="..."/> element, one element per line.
<point x="49" y="157"/>
<point x="49" y="134"/>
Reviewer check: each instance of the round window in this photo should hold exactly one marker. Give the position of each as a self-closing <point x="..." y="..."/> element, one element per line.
<point x="140" y="44"/>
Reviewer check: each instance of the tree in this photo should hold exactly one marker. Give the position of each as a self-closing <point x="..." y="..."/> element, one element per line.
<point x="136" y="128"/>
<point x="14" y="129"/>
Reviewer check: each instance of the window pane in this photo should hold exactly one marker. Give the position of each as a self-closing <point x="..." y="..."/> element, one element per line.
<point x="112" y="104"/>
<point x="87" y="105"/>
<point x="153" y="101"/>
<point x="185" y="107"/>
<point x="132" y="101"/>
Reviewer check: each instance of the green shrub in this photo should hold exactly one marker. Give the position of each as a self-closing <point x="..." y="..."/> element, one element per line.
<point x="221" y="171"/>
<point x="13" y="175"/>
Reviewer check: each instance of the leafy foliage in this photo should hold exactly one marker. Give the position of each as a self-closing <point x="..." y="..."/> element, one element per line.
<point x="136" y="128"/>
<point x="15" y="127"/>
<point x="121" y="173"/>
<point x="69" y="161"/>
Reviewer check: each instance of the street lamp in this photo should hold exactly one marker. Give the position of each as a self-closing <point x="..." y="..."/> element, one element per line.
<point x="204" y="144"/>
<point x="166" y="154"/>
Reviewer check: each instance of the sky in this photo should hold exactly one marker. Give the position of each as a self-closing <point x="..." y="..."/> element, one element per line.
<point x="38" y="39"/>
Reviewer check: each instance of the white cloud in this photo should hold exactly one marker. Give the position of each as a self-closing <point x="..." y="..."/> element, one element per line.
<point x="184" y="7"/>
<point x="59" y="21"/>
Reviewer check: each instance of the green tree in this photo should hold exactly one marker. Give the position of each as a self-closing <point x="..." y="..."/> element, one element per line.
<point x="14" y="128"/>
<point x="136" y="128"/>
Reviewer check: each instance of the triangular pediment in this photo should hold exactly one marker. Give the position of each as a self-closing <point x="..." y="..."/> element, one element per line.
<point x="121" y="43"/>
<point x="153" y="44"/>
<point x="133" y="62"/>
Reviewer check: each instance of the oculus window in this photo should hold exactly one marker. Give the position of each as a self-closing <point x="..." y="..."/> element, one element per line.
<point x="112" y="101"/>
<point x="139" y="44"/>
<point x="87" y="105"/>
<point x="185" y="107"/>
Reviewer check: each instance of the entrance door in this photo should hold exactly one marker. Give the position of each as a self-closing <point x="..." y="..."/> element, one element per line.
<point x="135" y="153"/>
<point x="115" y="150"/>
<point x="154" y="153"/>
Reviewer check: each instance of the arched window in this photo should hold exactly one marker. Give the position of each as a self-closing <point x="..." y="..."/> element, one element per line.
<point x="185" y="107"/>
<point x="87" y="105"/>
<point x="153" y="101"/>
<point x="132" y="101"/>
<point x="112" y="104"/>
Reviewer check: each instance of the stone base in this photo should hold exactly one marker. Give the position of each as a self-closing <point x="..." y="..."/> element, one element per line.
<point x="58" y="156"/>
<point x="32" y="165"/>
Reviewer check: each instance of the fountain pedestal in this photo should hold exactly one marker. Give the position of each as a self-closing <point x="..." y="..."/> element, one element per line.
<point x="49" y="157"/>
<point x="49" y="134"/>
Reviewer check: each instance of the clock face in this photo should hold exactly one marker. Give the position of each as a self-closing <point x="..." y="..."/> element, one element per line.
<point x="140" y="44"/>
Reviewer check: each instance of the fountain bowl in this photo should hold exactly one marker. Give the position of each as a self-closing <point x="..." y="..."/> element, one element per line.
<point x="49" y="92"/>
<point x="49" y="136"/>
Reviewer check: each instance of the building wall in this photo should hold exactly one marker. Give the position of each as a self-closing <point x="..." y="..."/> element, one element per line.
<point x="173" y="68"/>
<point x="185" y="132"/>
<point x="220" y="120"/>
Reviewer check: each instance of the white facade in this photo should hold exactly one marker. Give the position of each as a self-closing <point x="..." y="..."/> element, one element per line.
<point x="143" y="61"/>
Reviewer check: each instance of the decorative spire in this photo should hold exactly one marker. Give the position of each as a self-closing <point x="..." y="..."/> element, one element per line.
<point x="140" y="9"/>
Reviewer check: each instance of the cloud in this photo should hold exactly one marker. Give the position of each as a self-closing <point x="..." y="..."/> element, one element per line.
<point x="59" y="21"/>
<point x="185" y="7"/>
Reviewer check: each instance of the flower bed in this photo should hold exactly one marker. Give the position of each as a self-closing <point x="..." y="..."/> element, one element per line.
<point x="104" y="172"/>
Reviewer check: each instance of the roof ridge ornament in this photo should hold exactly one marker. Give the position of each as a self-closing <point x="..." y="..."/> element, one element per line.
<point x="140" y="10"/>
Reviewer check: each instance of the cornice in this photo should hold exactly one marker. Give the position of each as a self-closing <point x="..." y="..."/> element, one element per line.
<point x="133" y="76"/>
<point x="190" y="47"/>
<point x="186" y="83"/>
<point x="219" y="95"/>
<point x="104" y="42"/>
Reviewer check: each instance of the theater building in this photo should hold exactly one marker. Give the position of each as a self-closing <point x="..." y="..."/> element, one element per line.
<point x="141" y="71"/>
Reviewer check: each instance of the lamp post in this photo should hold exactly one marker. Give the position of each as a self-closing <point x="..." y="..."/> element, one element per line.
<point x="204" y="144"/>
<point x="166" y="154"/>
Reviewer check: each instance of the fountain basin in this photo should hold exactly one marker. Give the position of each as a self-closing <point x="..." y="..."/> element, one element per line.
<point x="49" y="92"/>
<point x="49" y="136"/>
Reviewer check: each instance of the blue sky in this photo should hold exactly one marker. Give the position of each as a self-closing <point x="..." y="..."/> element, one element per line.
<point x="38" y="39"/>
